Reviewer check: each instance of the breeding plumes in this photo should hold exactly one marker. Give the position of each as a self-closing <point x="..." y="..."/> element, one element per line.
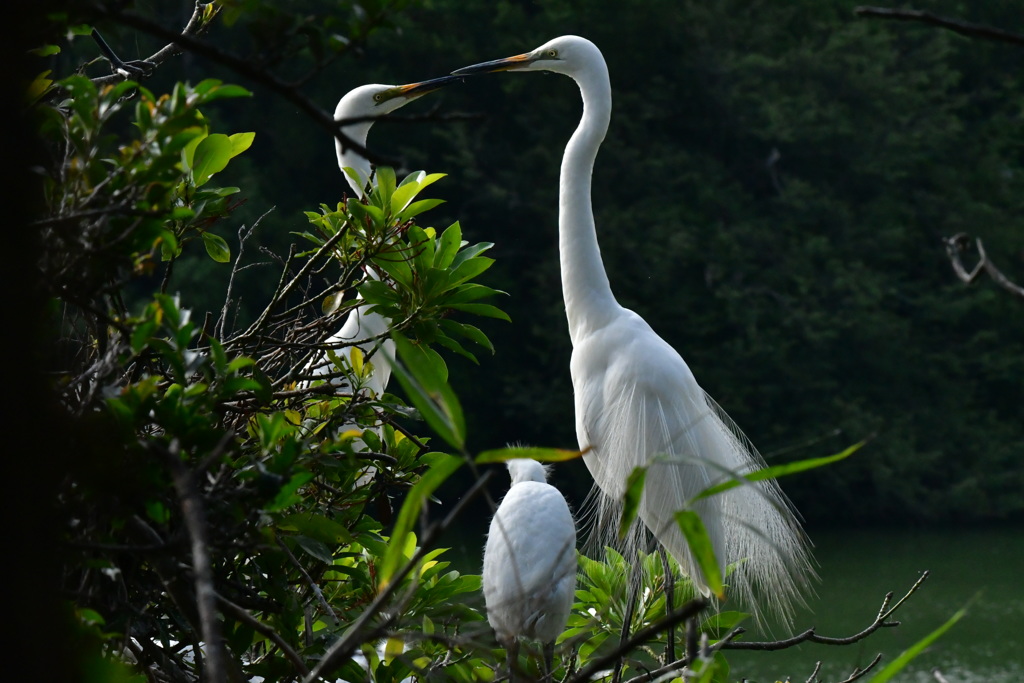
<point x="529" y="577"/>
<point x="637" y="402"/>
<point x="361" y="105"/>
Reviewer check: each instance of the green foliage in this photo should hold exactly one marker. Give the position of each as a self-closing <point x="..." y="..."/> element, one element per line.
<point x="291" y="486"/>
<point x="603" y="594"/>
<point x="117" y="201"/>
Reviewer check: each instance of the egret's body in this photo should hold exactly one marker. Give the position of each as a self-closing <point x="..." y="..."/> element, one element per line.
<point x="529" y="575"/>
<point x="638" y="403"/>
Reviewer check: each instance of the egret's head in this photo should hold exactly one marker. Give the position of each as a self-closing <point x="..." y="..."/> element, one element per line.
<point x="565" y="55"/>
<point x="525" y="469"/>
<point x="377" y="100"/>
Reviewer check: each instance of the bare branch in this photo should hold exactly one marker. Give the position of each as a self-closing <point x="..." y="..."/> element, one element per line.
<point x="811" y="636"/>
<point x="955" y="25"/>
<point x="960" y="243"/>
<point x="202" y="568"/>
<point x="187" y="40"/>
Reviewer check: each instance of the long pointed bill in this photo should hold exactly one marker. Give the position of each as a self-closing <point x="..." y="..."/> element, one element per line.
<point x="506" y="64"/>
<point x="424" y="87"/>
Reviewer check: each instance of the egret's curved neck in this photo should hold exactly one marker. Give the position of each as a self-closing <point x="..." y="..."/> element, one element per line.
<point x="589" y="303"/>
<point x="347" y="157"/>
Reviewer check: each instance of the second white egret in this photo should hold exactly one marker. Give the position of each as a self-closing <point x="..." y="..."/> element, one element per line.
<point x="529" y="576"/>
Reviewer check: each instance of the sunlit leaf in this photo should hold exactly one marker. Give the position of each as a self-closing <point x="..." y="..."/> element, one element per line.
<point x="777" y="471"/>
<point x="539" y="454"/>
<point x="211" y="156"/>
<point x="703" y="551"/>
<point x="631" y="498"/>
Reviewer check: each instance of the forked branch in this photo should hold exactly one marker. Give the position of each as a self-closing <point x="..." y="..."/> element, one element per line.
<point x="960" y="243"/>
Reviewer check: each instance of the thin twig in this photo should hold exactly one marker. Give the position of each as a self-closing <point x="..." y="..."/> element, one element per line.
<point x="243" y="615"/>
<point x="859" y="673"/>
<point x="328" y="612"/>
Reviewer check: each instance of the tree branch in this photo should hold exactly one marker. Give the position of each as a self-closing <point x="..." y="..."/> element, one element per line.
<point x="690" y="609"/>
<point x="206" y="597"/>
<point x="959" y="243"/>
<point x="955" y="25"/>
<point x="187" y="40"/>
<point x="811" y="636"/>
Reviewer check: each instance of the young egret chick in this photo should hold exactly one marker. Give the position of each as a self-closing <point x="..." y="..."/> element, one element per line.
<point x="529" y="577"/>
<point x="637" y="402"/>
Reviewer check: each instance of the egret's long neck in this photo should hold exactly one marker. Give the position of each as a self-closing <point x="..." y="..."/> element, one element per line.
<point x="588" y="297"/>
<point x="347" y="157"/>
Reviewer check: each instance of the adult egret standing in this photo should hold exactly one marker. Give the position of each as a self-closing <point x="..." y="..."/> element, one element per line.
<point x="529" y="577"/>
<point x="637" y="402"/>
<point x="360" y="105"/>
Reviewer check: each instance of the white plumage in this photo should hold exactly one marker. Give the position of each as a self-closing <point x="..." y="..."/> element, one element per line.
<point x="638" y="403"/>
<point x="529" y="575"/>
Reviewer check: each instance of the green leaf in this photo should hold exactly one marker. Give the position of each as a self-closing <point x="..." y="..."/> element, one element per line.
<point x="422" y="246"/>
<point x="703" y="552"/>
<point x="224" y="91"/>
<point x="384" y="187"/>
<point x="781" y="470"/>
<point x="404" y="194"/>
<point x="485" y="310"/>
<point x="216" y="247"/>
<point x="211" y="156"/>
<point x="288" y="495"/>
<point x="394" y="262"/>
<point x="448" y="246"/>
<point x="470" y="268"/>
<point x="430" y="393"/>
<point x="474" y="334"/>
<point x="539" y="454"/>
<point x="315" y="548"/>
<point x="45" y="51"/>
<point x="442" y="467"/>
<point x="470" y="292"/>
<point x="631" y="499"/>
<point x="241" y="142"/>
<point x="470" y="252"/>
<point x="416" y="208"/>
<point x="897" y="665"/>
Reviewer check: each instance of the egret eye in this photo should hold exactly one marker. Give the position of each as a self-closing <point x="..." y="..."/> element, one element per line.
<point x="379" y="97"/>
<point x="552" y="53"/>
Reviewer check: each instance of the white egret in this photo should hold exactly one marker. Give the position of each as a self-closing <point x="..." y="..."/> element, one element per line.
<point x="359" y="105"/>
<point x="637" y="402"/>
<point x="529" y="577"/>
